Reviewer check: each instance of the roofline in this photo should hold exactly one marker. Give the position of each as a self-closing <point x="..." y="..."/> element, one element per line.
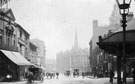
<point x="19" y="26"/>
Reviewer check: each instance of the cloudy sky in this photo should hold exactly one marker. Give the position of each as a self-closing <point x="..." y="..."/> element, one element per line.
<point x="54" y="21"/>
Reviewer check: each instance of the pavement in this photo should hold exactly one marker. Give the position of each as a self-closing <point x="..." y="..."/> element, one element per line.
<point x="106" y="80"/>
<point x="20" y="82"/>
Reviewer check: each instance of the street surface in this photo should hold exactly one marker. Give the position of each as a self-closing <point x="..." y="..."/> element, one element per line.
<point x="77" y="80"/>
<point x="71" y="80"/>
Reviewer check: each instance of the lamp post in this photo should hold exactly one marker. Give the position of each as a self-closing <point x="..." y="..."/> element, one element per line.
<point x="124" y="10"/>
<point x="70" y="68"/>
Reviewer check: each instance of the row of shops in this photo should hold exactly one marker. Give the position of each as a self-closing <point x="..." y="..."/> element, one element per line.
<point x="15" y="65"/>
<point x="17" y="56"/>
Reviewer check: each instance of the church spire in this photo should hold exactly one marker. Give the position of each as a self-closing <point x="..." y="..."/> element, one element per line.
<point x="76" y="40"/>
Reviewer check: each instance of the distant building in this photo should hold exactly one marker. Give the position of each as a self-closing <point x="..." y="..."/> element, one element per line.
<point x="95" y="51"/>
<point x="63" y="61"/>
<point x="51" y="65"/>
<point x="76" y="58"/>
<point x="33" y="57"/>
<point x="41" y="50"/>
<point x="100" y="60"/>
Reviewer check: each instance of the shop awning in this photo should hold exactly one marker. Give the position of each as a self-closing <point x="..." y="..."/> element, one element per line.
<point x="34" y="66"/>
<point x="23" y="61"/>
<point x="10" y="56"/>
<point x="42" y="68"/>
<point x="114" y="43"/>
<point x="16" y="57"/>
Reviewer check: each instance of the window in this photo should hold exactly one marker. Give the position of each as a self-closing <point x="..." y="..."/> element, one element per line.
<point x="0" y="39"/>
<point x="1" y="36"/>
<point x="8" y="41"/>
<point x="20" y="34"/>
<point x="13" y="40"/>
<point x="20" y="48"/>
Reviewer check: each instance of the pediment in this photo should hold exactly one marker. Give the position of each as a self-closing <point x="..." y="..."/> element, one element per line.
<point x="9" y="14"/>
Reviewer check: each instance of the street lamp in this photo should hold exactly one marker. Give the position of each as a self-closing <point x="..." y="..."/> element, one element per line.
<point x="124" y="10"/>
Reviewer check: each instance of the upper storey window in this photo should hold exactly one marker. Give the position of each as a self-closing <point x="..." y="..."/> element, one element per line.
<point x="20" y="34"/>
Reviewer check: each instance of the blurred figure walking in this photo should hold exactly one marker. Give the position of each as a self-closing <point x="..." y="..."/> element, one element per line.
<point x="57" y="74"/>
<point x="111" y="76"/>
<point x="83" y="74"/>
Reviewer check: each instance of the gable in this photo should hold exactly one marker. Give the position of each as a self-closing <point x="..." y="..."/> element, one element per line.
<point x="10" y="14"/>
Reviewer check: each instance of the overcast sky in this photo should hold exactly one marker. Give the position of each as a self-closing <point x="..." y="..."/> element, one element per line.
<point x="54" y="21"/>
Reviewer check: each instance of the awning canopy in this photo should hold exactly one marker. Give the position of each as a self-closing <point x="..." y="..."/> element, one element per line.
<point x="16" y="57"/>
<point x="113" y="43"/>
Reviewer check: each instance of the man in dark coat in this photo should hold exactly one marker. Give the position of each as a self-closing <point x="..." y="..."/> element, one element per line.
<point x="57" y="74"/>
<point x="111" y="76"/>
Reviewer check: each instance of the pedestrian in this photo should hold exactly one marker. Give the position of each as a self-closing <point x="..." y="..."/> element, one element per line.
<point x="83" y="74"/>
<point x="133" y="75"/>
<point x="8" y="77"/>
<point x="111" y="76"/>
<point x="42" y="77"/>
<point x="94" y="74"/>
<point x="57" y="74"/>
<point x="47" y="75"/>
<point x="74" y="74"/>
<point x="30" y="77"/>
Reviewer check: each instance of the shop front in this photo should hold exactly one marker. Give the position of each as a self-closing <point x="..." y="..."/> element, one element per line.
<point x="37" y="72"/>
<point x="13" y="64"/>
<point x="113" y="45"/>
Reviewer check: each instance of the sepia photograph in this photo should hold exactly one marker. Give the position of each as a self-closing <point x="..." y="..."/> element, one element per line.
<point x="67" y="42"/>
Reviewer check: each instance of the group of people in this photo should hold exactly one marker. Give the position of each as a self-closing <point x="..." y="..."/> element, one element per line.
<point x="31" y="77"/>
<point x="52" y="75"/>
<point x="75" y="73"/>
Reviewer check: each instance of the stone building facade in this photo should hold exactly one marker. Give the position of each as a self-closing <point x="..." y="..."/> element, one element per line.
<point x="98" y="56"/>
<point x="41" y="50"/>
<point x="99" y="59"/>
<point x="13" y="61"/>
